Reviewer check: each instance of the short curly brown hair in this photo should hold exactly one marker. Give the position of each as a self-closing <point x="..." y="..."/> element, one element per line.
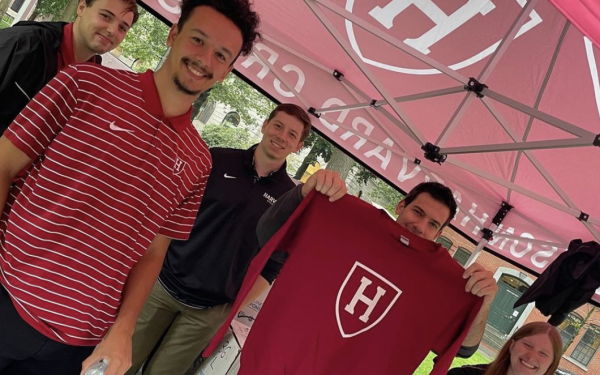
<point x="238" y="11"/>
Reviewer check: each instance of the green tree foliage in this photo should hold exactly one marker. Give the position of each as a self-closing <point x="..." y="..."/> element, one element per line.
<point x="4" y="7"/>
<point x="145" y="43"/>
<point x="385" y="195"/>
<point x="319" y="147"/>
<point x="363" y="175"/>
<point x="57" y="10"/>
<point x="225" y="136"/>
<point x="242" y="98"/>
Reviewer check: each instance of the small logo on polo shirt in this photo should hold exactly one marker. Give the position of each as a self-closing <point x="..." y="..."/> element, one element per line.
<point x="228" y="176"/>
<point x="269" y="198"/>
<point x="179" y="165"/>
<point x="404" y="240"/>
<point x="117" y="128"/>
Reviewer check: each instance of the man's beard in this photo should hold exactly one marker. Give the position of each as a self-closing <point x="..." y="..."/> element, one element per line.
<point x="184" y="89"/>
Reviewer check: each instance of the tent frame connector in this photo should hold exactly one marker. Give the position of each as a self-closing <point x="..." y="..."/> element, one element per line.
<point x="597" y="141"/>
<point x="314" y="112"/>
<point x="338" y="75"/>
<point x="432" y="153"/>
<point x="502" y="211"/>
<point x="583" y="217"/>
<point x="488" y="234"/>
<point x="475" y="86"/>
<point x="373" y="103"/>
<point x="417" y="161"/>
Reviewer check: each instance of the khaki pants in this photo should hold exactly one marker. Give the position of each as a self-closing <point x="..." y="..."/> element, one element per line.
<point x="188" y="332"/>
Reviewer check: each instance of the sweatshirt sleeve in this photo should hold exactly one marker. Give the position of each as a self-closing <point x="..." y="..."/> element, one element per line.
<point x="277" y="215"/>
<point x="270" y="222"/>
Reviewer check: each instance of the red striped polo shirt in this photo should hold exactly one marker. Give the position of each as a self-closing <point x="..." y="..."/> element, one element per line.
<point x="109" y="172"/>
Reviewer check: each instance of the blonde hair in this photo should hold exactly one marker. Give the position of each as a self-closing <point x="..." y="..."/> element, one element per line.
<point x="502" y="362"/>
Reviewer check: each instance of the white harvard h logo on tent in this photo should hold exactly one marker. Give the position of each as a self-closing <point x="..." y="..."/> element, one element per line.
<point x="443" y="25"/>
<point x="367" y="295"/>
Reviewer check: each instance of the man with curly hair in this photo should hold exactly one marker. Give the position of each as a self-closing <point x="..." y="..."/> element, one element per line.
<point x="98" y="173"/>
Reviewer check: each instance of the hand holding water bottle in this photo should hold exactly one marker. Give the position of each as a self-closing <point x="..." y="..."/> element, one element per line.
<point x="111" y="357"/>
<point x="99" y="368"/>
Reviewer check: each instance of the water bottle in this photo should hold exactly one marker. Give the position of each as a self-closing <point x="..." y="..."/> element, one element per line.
<point x="99" y="368"/>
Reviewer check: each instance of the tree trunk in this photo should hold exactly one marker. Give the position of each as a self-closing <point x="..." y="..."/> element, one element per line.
<point x="3" y="7"/>
<point x="341" y="163"/>
<point x="197" y="105"/>
<point x="69" y="13"/>
<point x="308" y="160"/>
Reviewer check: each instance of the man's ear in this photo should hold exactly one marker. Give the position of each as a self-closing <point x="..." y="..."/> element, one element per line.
<point x="399" y="207"/>
<point x="172" y="35"/>
<point x="262" y="129"/>
<point x="222" y="78"/>
<point x="81" y="7"/>
<point x="297" y="148"/>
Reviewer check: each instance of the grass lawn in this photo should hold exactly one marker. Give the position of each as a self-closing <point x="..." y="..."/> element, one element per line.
<point x="5" y="22"/>
<point x="427" y="364"/>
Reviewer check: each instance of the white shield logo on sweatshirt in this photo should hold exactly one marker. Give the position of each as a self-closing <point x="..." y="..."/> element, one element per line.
<point x="364" y="299"/>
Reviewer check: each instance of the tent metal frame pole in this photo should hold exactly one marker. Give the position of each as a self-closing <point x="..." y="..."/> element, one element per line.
<point x="592" y="230"/>
<point x="290" y="87"/>
<point x="398" y="99"/>
<point x="549" y="119"/>
<point x="392" y="41"/>
<point x="366" y="71"/>
<point x="283" y="80"/>
<point x="296" y="53"/>
<point x="564" y="196"/>
<point x="536" y="105"/>
<point x="521" y="146"/>
<point x="352" y="88"/>
<point x="560" y="245"/>
<point x="514" y="211"/>
<point x="368" y="138"/>
<point x="356" y="94"/>
<point x="536" y="163"/>
<point x="307" y="105"/>
<point x="383" y="111"/>
<point x="344" y="80"/>
<point x="542" y="228"/>
<point x="444" y="69"/>
<point x="526" y="192"/>
<point x="455" y="119"/>
<point x="477" y="251"/>
<point x="507" y="40"/>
